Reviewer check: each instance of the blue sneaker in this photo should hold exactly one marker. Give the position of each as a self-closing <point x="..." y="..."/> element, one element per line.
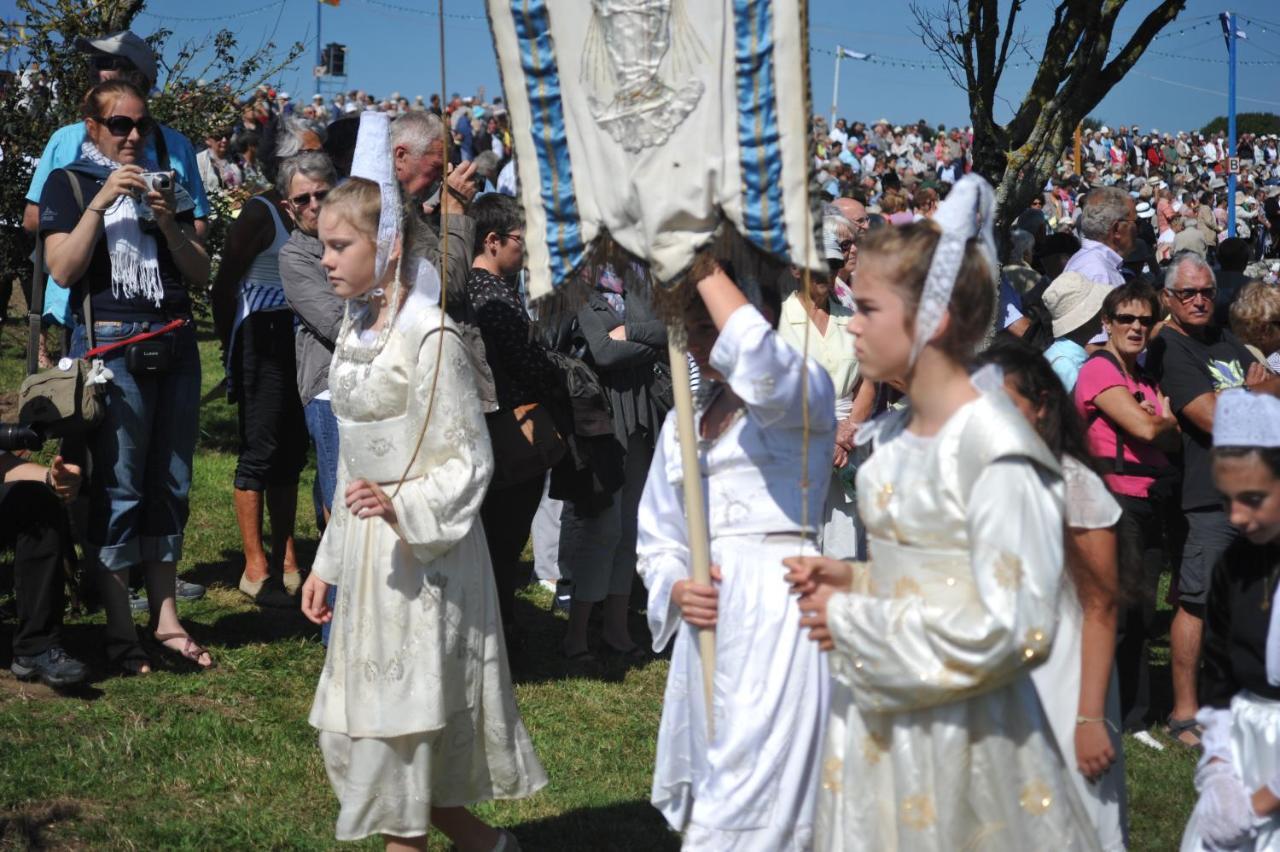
<point x="54" y="668"/>
<point x="189" y="591"/>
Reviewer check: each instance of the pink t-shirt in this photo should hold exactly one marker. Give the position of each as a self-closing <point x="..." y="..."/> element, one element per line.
<point x="1097" y="375"/>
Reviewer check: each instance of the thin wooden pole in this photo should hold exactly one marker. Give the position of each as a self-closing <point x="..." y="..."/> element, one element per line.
<point x="1077" y="163"/>
<point x="695" y="509"/>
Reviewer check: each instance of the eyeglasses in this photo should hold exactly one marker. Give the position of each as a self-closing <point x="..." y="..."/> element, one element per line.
<point x="304" y="199"/>
<point x="517" y="237"/>
<point x="845" y="245"/>
<point x="123" y="125"/>
<point x="1185" y="296"/>
<point x="1147" y="320"/>
<point x="862" y="221"/>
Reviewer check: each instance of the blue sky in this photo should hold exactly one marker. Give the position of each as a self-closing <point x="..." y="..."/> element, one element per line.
<point x="392" y="46"/>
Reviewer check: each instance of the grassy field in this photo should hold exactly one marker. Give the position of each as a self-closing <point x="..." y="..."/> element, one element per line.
<point x="226" y="760"/>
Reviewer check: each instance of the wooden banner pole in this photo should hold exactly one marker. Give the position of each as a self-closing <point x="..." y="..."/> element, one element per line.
<point x="694" y="507"/>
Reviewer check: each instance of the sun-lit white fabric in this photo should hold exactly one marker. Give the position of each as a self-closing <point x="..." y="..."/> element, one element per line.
<point x="1089" y="506"/>
<point x="1245" y="419"/>
<point x="937" y="738"/>
<point x="968" y="212"/>
<point x="1245" y="737"/>
<point x="754" y="786"/>
<point x="416" y="649"/>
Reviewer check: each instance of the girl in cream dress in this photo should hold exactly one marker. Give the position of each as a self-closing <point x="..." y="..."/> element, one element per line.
<point x="415" y="708"/>
<point x="937" y="739"/>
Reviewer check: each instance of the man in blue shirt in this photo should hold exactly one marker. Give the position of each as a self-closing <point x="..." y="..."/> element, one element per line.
<point x="121" y="54"/>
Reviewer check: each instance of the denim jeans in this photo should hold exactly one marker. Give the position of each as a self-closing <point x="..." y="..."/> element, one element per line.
<point x="142" y="451"/>
<point x="323" y="427"/>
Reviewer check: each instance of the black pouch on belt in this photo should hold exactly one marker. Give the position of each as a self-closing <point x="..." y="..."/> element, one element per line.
<point x="149" y="356"/>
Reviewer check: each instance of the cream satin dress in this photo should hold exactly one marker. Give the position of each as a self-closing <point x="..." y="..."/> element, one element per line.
<point x="937" y="739"/>
<point x="414" y="706"/>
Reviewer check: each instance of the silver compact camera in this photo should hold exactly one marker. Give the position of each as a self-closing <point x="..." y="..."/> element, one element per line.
<point x="157" y="181"/>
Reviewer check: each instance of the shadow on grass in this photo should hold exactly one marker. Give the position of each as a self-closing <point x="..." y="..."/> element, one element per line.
<point x="227" y="571"/>
<point x="623" y="827"/>
<point x="27" y="828"/>
<point x="536" y="652"/>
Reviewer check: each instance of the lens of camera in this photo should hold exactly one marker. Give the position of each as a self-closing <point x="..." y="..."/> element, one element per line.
<point x="15" y="436"/>
<point x="161" y="183"/>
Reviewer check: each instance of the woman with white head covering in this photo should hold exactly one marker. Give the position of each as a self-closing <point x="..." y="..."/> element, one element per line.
<point x="1238" y="778"/>
<point x="936" y="738"/>
<point x="415" y="709"/>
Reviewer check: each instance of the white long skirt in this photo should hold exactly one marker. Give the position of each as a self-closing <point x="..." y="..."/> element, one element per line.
<point x="754" y="787"/>
<point x="1058" y="685"/>
<point x="1255" y="751"/>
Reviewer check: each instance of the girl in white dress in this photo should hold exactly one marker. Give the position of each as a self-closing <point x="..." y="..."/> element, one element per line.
<point x="753" y="786"/>
<point x="937" y="739"/>
<point x="1077" y="684"/>
<point x="415" y="709"/>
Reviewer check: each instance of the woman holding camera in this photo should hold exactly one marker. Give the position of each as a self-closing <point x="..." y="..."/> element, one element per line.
<point x="122" y="237"/>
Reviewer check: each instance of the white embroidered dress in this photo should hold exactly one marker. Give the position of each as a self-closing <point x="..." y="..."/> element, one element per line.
<point x="937" y="739"/>
<point x="414" y="706"/>
<point x="753" y="787"/>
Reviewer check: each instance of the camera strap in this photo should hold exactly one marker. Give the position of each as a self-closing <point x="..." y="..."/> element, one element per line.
<point x="99" y="351"/>
<point x="87" y="315"/>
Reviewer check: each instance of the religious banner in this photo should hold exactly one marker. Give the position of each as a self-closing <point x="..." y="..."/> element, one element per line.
<point x="651" y="122"/>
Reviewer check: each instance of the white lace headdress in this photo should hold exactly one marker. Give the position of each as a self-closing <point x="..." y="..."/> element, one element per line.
<point x="372" y="160"/>
<point x="1244" y="419"/>
<point x="968" y="212"/>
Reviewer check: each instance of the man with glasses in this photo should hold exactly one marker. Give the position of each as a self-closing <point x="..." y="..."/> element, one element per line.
<point x="118" y="55"/>
<point x="1194" y="359"/>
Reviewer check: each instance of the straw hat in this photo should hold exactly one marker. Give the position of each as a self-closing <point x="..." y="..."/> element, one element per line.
<point x="1073" y="300"/>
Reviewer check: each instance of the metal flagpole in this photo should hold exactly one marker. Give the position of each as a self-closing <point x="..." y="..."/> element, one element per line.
<point x="319" y="42"/>
<point x="1229" y="30"/>
<point x="835" y="87"/>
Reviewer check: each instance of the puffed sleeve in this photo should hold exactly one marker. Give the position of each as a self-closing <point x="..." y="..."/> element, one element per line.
<point x="434" y="512"/>
<point x="662" y="549"/>
<point x="769" y="376"/>
<point x="912" y="652"/>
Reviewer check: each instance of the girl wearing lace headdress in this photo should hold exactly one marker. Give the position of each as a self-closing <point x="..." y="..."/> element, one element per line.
<point x="1238" y="778"/>
<point x="936" y="738"/>
<point x="415" y="708"/>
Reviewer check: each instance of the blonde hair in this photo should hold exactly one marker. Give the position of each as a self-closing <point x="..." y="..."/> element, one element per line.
<point x="1253" y="312"/>
<point x="359" y="202"/>
<point x="908" y="251"/>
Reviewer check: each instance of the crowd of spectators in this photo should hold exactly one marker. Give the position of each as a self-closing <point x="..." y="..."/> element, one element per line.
<point x="1122" y="273"/>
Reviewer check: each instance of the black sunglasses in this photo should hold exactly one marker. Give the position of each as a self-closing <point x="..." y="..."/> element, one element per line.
<point x="1187" y="295"/>
<point x="111" y="62"/>
<point x="305" y="198"/>
<point x="123" y="125"/>
<point x="1147" y="320"/>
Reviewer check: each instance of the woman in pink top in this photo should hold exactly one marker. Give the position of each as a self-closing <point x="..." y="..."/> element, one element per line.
<point x="1130" y="425"/>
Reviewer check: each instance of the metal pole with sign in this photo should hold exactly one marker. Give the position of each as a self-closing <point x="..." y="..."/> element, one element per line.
<point x="1229" y="31"/>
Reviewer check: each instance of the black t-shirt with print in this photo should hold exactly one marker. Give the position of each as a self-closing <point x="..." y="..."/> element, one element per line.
<point x="1188" y="367"/>
<point x="60" y="212"/>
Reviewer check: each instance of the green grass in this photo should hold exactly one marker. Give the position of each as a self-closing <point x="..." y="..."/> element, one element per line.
<point x="226" y="760"/>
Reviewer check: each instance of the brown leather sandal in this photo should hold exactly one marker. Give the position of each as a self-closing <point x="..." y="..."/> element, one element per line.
<point x="190" y="653"/>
